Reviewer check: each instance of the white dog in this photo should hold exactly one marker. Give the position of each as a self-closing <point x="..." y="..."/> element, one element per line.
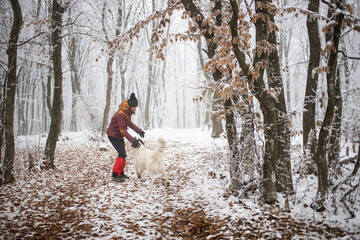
<point x="152" y="161"/>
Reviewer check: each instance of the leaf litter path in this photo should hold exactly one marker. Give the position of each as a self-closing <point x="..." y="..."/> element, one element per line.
<point x="79" y="200"/>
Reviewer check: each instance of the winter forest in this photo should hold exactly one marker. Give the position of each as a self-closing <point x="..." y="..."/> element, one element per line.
<point x="257" y="100"/>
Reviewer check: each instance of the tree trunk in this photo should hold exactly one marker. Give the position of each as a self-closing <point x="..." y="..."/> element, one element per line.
<point x="74" y="75"/>
<point x="148" y="92"/>
<point x="21" y="106"/>
<point x="312" y="79"/>
<point x="217" y="128"/>
<point x="48" y="89"/>
<point x="184" y="109"/>
<point x="108" y="95"/>
<point x="321" y="154"/>
<point x="245" y="169"/>
<point x="335" y="136"/>
<point x="56" y="110"/>
<point x="32" y="112"/>
<point x="109" y="69"/>
<point x="122" y="21"/>
<point x="283" y="162"/>
<point x="357" y="164"/>
<point x="233" y="143"/>
<point x="6" y="175"/>
<point x="269" y="165"/>
<point x="268" y="104"/>
<point x="207" y="97"/>
<point x="44" y="106"/>
<point x="2" y="120"/>
<point x="284" y="50"/>
<point x="151" y="75"/>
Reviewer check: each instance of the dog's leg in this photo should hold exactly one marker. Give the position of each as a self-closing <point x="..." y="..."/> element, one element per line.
<point x="162" y="171"/>
<point x="152" y="176"/>
<point x="166" y="179"/>
<point x="141" y="171"/>
<point x="137" y="169"/>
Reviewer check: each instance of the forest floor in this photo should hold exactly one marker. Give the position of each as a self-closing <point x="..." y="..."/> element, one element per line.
<point x="78" y="200"/>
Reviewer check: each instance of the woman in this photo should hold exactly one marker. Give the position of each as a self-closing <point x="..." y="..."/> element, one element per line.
<point x="116" y="132"/>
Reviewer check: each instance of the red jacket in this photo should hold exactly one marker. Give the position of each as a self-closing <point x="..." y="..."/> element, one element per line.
<point x="120" y="121"/>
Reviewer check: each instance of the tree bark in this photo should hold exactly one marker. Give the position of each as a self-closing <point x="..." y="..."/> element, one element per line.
<point x="217" y="128"/>
<point x="335" y="136"/>
<point x="267" y="103"/>
<point x="357" y="164"/>
<point x="56" y="110"/>
<point x="44" y="106"/>
<point x="108" y="95"/>
<point x="207" y="96"/>
<point x="109" y="69"/>
<point x="312" y="79"/>
<point x="231" y="134"/>
<point x="148" y="91"/>
<point x="283" y="164"/>
<point x="151" y="76"/>
<point x="74" y="75"/>
<point x="6" y="175"/>
<point x="277" y="139"/>
<point x="243" y="171"/>
<point x="321" y="154"/>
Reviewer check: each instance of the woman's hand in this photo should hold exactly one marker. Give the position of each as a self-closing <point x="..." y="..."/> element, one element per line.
<point x="135" y="144"/>
<point x="142" y="134"/>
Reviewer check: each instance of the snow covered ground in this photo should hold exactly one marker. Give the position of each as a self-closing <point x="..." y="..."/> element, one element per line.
<point x="79" y="199"/>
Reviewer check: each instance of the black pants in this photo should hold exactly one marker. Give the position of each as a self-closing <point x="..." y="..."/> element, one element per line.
<point x="119" y="145"/>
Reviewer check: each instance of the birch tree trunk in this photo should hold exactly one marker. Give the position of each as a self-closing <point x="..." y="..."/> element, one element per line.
<point x="6" y="175"/>
<point x="56" y="110"/>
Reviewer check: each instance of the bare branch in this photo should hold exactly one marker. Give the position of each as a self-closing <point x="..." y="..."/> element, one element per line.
<point x="343" y="53"/>
<point x="37" y="35"/>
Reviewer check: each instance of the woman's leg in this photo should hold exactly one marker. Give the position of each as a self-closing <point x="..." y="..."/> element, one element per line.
<point x="119" y="145"/>
<point x="120" y="162"/>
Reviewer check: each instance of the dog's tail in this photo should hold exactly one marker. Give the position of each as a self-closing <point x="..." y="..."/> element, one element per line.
<point x="160" y="147"/>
